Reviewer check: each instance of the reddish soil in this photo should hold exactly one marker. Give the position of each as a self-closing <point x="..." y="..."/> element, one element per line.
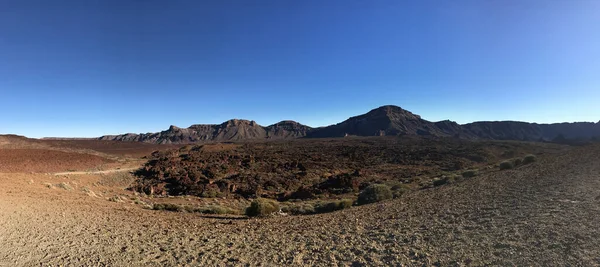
<point x="21" y="154"/>
<point x="99" y="147"/>
<point x="116" y="148"/>
<point x="44" y="160"/>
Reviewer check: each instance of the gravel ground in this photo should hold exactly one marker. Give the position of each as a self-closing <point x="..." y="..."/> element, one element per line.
<point x="542" y="214"/>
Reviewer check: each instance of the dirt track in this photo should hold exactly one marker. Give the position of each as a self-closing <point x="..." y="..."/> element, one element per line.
<point x="541" y="214"/>
<point x="96" y="172"/>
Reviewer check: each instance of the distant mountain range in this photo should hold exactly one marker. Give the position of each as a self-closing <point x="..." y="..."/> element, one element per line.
<point x="231" y="130"/>
<point x="382" y="121"/>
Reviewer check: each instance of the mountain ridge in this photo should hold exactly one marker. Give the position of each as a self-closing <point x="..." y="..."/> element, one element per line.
<point x="230" y="130"/>
<point x="388" y="120"/>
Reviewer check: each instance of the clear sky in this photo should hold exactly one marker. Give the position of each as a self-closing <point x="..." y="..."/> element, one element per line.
<point x="89" y="68"/>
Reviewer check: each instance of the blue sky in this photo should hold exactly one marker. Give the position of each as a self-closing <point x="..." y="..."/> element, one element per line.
<point x="89" y="68"/>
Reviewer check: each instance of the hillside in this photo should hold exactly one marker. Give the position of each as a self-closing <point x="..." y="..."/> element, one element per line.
<point x="513" y="130"/>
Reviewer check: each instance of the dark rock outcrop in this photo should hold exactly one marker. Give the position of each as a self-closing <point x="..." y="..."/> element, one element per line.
<point x="286" y="130"/>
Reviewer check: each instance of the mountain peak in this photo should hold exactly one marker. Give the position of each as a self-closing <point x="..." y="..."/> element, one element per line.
<point x="389" y="107"/>
<point x="393" y="112"/>
<point x="237" y="122"/>
<point x="286" y="122"/>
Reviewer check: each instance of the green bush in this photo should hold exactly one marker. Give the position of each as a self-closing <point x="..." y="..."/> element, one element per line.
<point x="190" y="208"/>
<point x="333" y="205"/>
<point x="398" y="188"/>
<point x="507" y="164"/>
<point x="217" y="209"/>
<point x="374" y="193"/>
<point x="529" y="159"/>
<point x="345" y="203"/>
<point x="469" y="173"/>
<point x="211" y="193"/>
<point x="262" y="207"/>
<point x="211" y="209"/>
<point x="319" y="207"/>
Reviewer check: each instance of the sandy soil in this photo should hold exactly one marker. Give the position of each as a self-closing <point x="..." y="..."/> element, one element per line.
<point x="543" y="214"/>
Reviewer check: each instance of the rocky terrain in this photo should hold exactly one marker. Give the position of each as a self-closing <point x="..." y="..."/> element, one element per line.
<point x="540" y="214"/>
<point x="383" y="121"/>
<point x="318" y="168"/>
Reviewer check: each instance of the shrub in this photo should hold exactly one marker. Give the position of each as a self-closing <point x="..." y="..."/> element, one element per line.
<point x="400" y="186"/>
<point x="301" y="209"/>
<point x="211" y="209"/>
<point x="211" y="193"/>
<point x="326" y="207"/>
<point x="333" y="205"/>
<point x="65" y="186"/>
<point x="319" y="207"/>
<point x="89" y="192"/>
<point x="345" y="203"/>
<point x="190" y="209"/>
<point x="448" y="179"/>
<point x="469" y="173"/>
<point x="441" y="181"/>
<point x="262" y="207"/>
<point x="138" y="201"/>
<point x="396" y="185"/>
<point x="286" y="208"/>
<point x="115" y="199"/>
<point x="374" y="193"/>
<point x="505" y="165"/>
<point x="529" y="159"/>
<point x="398" y="189"/>
<point x="517" y="162"/>
<point x="216" y="209"/>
